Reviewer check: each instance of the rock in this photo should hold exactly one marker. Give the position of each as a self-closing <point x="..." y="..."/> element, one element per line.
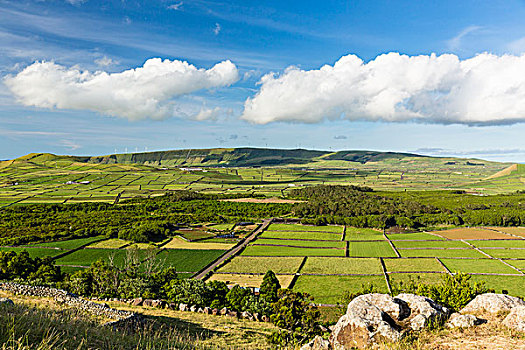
<point x="200" y="310"/>
<point x="365" y="322"/>
<point x="158" y="303"/>
<point x="423" y="311"/>
<point x="183" y="307"/>
<point x="516" y="319"/>
<point x="173" y="306"/>
<point x="265" y="318"/>
<point x="193" y="308"/>
<point x="224" y="311"/>
<point x="492" y="303"/>
<point x="6" y="301"/>
<point x="233" y="314"/>
<point x="148" y="302"/>
<point x="317" y="343"/>
<point x="247" y="315"/>
<point x="215" y="311"/>
<point x="207" y="310"/>
<point x="458" y="320"/>
<point x="257" y="317"/>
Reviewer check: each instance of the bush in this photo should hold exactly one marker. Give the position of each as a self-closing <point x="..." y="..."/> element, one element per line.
<point x="269" y="287"/>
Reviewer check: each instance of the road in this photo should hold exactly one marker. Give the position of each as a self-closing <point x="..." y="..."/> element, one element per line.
<point x="234" y="250"/>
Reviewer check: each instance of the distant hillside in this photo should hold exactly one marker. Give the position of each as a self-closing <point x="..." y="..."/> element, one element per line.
<point x="251" y="157"/>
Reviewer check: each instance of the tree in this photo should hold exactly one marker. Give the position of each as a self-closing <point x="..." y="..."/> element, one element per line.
<point x="269" y="287"/>
<point x="296" y="315"/>
<point x="236" y="297"/>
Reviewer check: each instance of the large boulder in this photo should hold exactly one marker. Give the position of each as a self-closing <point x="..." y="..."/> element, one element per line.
<point x="458" y="320"/>
<point x="423" y="311"/>
<point x="367" y="321"/>
<point x="516" y="319"/>
<point x="493" y="303"/>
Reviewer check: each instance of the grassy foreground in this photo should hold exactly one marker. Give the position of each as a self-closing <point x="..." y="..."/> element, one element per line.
<point x="40" y="323"/>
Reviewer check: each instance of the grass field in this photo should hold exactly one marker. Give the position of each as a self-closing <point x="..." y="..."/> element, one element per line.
<point x="85" y="257"/>
<point x="329" y="289"/>
<point x="179" y="243"/>
<point x="316" y="265"/>
<point x="301" y="235"/>
<point x="302" y="243"/>
<point x="430" y="244"/>
<point x="518" y="231"/>
<point x="365" y="234"/>
<point x="429" y="278"/>
<point x="35" y="252"/>
<point x="515" y="243"/>
<point x="187" y="260"/>
<point x="520" y="264"/>
<point x="515" y="285"/>
<point x="505" y="253"/>
<point x="247" y="264"/>
<point x="478" y="266"/>
<point x="193" y="234"/>
<point x="413" y="265"/>
<point x="441" y="253"/>
<point x="413" y="236"/>
<point x="370" y="249"/>
<point x="246" y="280"/>
<point x="253" y="250"/>
<point x="70" y="244"/>
<point x="293" y="227"/>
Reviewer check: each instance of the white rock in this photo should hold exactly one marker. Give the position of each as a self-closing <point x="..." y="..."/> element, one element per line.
<point x="516" y="319"/>
<point x="423" y="311"/>
<point x="492" y="303"/>
<point x="458" y="320"/>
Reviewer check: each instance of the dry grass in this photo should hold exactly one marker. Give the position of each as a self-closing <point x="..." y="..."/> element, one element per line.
<point x="113" y="243"/>
<point x="248" y="280"/>
<point x="504" y="172"/>
<point x="472" y="233"/>
<point x="179" y="243"/>
<point x="518" y="231"/>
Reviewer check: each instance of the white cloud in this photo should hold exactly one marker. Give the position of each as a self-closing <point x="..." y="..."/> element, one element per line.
<point x="485" y="89"/>
<point x="76" y="2"/>
<point x="455" y="42"/>
<point x="105" y="61"/>
<point x="144" y="92"/>
<point x="207" y="113"/>
<point x="176" y="6"/>
<point x="217" y="29"/>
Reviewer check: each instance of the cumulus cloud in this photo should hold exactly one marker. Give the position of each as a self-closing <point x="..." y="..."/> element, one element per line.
<point x="149" y="91"/>
<point x="175" y="6"/>
<point x="485" y="89"/>
<point x="105" y="61"/>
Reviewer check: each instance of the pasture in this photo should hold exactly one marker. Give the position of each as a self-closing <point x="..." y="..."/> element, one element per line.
<point x="326" y="272"/>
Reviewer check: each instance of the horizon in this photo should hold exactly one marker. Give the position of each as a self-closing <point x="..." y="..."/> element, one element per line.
<point x="105" y="77"/>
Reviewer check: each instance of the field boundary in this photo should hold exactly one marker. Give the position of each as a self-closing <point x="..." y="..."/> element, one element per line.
<point x="444" y="266"/>
<point x="385" y="274"/>
<point x="392" y="245"/>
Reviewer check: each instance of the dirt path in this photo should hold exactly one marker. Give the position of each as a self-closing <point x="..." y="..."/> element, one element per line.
<point x="202" y="274"/>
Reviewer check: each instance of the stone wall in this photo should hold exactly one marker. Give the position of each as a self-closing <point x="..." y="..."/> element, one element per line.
<point x="64" y="297"/>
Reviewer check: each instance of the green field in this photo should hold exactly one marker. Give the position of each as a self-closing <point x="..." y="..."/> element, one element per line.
<point x="35" y="252"/>
<point x="441" y="253"/>
<point x="514" y="243"/>
<point x="430" y="278"/>
<point x="188" y="260"/>
<point x="505" y="253"/>
<point x="413" y="265"/>
<point x="357" y="234"/>
<point x="85" y="257"/>
<point x="301" y="243"/>
<point x="329" y="289"/>
<point x="413" y="236"/>
<point x="478" y="266"/>
<point x="247" y="264"/>
<point x="70" y="244"/>
<point x="371" y="249"/>
<point x="291" y="227"/>
<point x="301" y="235"/>
<point x="290" y="251"/>
<point x="520" y="264"/>
<point x="430" y="244"/>
<point x="515" y="285"/>
<point x="324" y="265"/>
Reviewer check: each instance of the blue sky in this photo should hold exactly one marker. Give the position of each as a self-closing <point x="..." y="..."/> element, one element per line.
<point x="258" y="38"/>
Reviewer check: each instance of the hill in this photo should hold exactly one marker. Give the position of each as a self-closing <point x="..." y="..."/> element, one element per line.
<point x="246" y="157"/>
